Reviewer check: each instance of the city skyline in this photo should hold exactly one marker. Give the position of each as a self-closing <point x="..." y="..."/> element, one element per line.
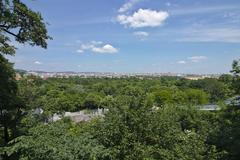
<point x="136" y="36"/>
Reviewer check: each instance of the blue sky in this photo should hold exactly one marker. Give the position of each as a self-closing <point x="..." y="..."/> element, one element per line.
<point x="180" y="36"/>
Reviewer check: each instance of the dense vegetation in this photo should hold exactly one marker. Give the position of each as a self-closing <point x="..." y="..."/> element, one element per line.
<point x="149" y="118"/>
<point x="72" y="94"/>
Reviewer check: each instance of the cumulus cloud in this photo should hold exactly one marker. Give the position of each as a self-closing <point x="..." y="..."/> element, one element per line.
<point x="143" y="18"/>
<point x="128" y="5"/>
<point x="197" y="58"/>
<point x="37" y="62"/>
<point x="97" y="47"/>
<point x="105" y="49"/>
<point x="181" y="62"/>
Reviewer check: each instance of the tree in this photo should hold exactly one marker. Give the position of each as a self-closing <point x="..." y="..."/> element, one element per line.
<point x="216" y="89"/>
<point x="236" y="68"/>
<point x="10" y="105"/>
<point x="25" y="26"/>
<point x="226" y="137"/>
<point x="60" y="140"/>
<point x="163" y="97"/>
<point x="108" y="102"/>
<point x="133" y="96"/>
<point x="8" y="97"/>
<point x="92" y="101"/>
<point x="168" y="133"/>
<point x="226" y="78"/>
<point x="196" y="97"/>
<point x="236" y="74"/>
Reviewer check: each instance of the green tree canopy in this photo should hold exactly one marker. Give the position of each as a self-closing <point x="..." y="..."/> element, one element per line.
<point x="17" y="22"/>
<point x="236" y="73"/>
<point x="25" y="25"/>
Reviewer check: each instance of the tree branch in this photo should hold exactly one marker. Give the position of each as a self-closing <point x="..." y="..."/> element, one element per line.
<point x="11" y="33"/>
<point x="4" y="26"/>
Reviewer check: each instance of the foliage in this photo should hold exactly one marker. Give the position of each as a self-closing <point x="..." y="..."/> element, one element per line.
<point x="215" y="88"/>
<point x="124" y="133"/>
<point x="236" y="73"/>
<point x="60" y="140"/>
<point x="25" y="25"/>
<point x="17" y="22"/>
<point x="197" y="96"/>
<point x="148" y="118"/>
<point x="226" y="136"/>
<point x="169" y="133"/>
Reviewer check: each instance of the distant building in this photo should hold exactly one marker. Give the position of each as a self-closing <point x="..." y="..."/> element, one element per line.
<point x="193" y="78"/>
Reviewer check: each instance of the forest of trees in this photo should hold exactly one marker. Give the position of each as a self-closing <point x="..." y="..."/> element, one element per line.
<point x="132" y="128"/>
<point x="149" y="118"/>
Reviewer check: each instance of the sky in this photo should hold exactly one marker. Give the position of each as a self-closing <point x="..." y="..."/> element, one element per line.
<point x="128" y="36"/>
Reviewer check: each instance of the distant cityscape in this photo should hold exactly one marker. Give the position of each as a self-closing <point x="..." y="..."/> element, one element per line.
<point x="46" y="75"/>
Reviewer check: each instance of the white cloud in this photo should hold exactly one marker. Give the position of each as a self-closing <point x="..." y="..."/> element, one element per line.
<point x="128" y="5"/>
<point x="181" y="62"/>
<point x="105" y="49"/>
<point x="80" y="51"/>
<point x="143" y="18"/>
<point x="96" y="42"/>
<point x="97" y="47"/>
<point x="37" y="62"/>
<point x="141" y="34"/>
<point x="197" y="58"/>
<point x="87" y="46"/>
